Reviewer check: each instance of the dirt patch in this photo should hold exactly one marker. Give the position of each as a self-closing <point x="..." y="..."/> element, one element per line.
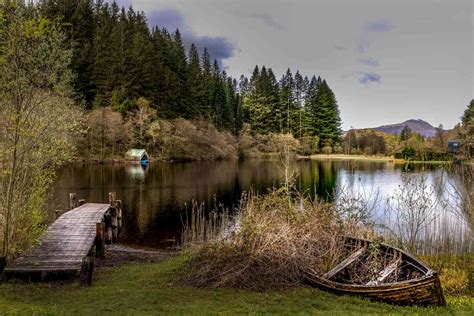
<point x="117" y="255"/>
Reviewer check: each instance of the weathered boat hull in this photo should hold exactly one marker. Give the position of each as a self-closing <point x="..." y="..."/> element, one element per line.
<point x="424" y="290"/>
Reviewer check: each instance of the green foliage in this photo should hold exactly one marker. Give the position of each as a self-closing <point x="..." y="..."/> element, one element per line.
<point x="406" y="133"/>
<point x="38" y="120"/>
<point x="408" y="153"/>
<point x="468" y="115"/>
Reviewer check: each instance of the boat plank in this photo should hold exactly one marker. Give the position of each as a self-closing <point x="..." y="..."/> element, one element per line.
<point x="345" y="263"/>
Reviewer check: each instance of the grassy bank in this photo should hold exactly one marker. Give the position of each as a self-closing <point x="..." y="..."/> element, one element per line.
<point x="154" y="288"/>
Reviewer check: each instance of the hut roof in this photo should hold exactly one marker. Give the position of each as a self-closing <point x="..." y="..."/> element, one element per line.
<point x="136" y="153"/>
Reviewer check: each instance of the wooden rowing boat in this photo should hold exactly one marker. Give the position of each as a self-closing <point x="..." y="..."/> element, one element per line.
<point x="381" y="273"/>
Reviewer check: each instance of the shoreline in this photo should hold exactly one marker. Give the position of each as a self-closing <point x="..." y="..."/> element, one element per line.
<point x="351" y="157"/>
<point x="389" y="159"/>
<point x="266" y="156"/>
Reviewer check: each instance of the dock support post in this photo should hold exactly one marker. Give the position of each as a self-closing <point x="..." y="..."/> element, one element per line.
<point x="114" y="216"/>
<point x="87" y="269"/>
<point x="100" y="240"/>
<point x="112" y="199"/>
<point x="72" y="200"/>
<point x="108" y="227"/>
<point x="114" y="213"/>
<point x="57" y="213"/>
<point x="119" y="215"/>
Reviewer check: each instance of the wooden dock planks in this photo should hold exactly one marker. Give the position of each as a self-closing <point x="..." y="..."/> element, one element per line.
<point x="66" y="242"/>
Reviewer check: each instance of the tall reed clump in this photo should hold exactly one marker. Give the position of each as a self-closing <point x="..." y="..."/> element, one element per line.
<point x="272" y="244"/>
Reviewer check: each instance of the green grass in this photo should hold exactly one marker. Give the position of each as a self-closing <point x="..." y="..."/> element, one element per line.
<point x="146" y="289"/>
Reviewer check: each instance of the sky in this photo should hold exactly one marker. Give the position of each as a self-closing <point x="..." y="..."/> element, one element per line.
<point x="386" y="60"/>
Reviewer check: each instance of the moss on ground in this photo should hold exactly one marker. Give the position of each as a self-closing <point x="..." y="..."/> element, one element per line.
<point x="153" y="288"/>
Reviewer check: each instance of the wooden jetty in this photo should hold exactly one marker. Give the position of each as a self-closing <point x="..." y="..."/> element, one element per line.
<point x="70" y="243"/>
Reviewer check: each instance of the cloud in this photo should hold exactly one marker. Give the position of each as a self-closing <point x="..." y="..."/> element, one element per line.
<point x="220" y="48"/>
<point x="339" y="47"/>
<point x="362" y="44"/>
<point x="368" y="77"/>
<point x="369" y="61"/>
<point x="383" y="25"/>
<point x="169" y="18"/>
<point x="268" y="20"/>
<point x="375" y="26"/>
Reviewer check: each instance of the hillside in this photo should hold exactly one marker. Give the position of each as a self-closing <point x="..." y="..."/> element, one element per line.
<point x="419" y="126"/>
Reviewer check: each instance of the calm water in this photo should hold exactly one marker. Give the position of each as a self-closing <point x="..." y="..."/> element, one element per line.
<point x="157" y="197"/>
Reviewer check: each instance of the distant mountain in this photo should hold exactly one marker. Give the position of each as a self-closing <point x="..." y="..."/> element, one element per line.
<point x="422" y="127"/>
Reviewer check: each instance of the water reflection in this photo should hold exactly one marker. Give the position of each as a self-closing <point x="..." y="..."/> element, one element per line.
<point x="157" y="196"/>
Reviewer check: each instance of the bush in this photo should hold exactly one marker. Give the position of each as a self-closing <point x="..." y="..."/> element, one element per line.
<point x="326" y="150"/>
<point x="276" y="243"/>
<point x="309" y="145"/>
<point x="254" y="146"/>
<point x="192" y="140"/>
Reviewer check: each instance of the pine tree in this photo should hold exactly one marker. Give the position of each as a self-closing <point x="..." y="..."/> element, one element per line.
<point x="195" y="82"/>
<point x="207" y="85"/>
<point x="288" y="103"/>
<point x="179" y="67"/>
<point x="328" y="121"/>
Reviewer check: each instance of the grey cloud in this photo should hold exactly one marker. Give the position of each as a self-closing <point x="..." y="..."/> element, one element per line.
<point x="382" y="25"/>
<point x="169" y="18"/>
<point x="268" y="20"/>
<point x="369" y="61"/>
<point x="368" y="77"/>
<point x="219" y="47"/>
<point x="339" y="47"/>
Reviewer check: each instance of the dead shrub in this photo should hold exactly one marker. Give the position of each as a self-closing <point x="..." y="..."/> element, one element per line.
<point x="256" y="145"/>
<point x="193" y="140"/>
<point x="272" y="245"/>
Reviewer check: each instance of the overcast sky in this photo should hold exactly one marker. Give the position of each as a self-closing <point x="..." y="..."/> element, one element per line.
<point x="386" y="60"/>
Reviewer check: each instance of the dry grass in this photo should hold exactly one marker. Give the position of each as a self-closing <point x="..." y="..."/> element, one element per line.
<point x="274" y="242"/>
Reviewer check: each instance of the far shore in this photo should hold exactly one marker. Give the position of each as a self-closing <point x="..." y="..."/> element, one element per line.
<point x="352" y="157"/>
<point x="390" y="159"/>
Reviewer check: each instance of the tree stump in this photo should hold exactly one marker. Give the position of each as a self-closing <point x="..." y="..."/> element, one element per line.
<point x="87" y="269"/>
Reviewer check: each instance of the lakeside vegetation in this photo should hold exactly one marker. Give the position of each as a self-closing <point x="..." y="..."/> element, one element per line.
<point x="60" y="101"/>
<point x="155" y="288"/>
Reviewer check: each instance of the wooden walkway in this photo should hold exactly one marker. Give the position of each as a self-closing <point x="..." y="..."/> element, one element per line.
<point x="66" y="242"/>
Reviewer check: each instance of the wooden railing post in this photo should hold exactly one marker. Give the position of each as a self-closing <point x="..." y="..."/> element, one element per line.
<point x="119" y="215"/>
<point x="114" y="216"/>
<point x="100" y="240"/>
<point x="108" y="227"/>
<point x="112" y="200"/>
<point x="87" y="269"/>
<point x="72" y="200"/>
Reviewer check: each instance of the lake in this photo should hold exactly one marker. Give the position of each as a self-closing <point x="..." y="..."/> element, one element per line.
<point x="157" y="197"/>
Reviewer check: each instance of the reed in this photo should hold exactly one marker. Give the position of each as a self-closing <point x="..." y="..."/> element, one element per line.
<point x="271" y="244"/>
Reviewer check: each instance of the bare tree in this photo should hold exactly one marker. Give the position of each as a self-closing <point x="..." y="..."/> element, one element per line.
<point x="141" y="120"/>
<point x="414" y="205"/>
<point x="36" y="120"/>
<point x="461" y="182"/>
